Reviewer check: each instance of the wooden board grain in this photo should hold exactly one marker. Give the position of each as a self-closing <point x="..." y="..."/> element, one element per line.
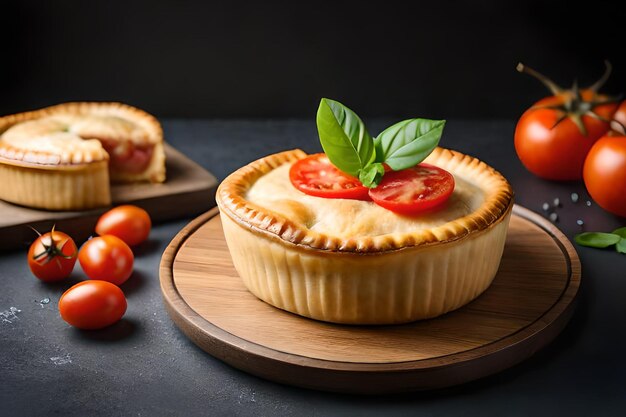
<point x="188" y="190"/>
<point x="528" y="304"/>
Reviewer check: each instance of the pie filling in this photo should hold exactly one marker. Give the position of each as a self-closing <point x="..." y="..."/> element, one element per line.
<point x="126" y="157"/>
<point x="345" y="218"/>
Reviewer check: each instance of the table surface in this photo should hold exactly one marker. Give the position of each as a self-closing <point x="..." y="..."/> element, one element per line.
<point x="144" y="366"/>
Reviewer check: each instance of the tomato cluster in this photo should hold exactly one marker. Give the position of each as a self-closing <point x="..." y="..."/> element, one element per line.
<point x="107" y="260"/>
<point x="577" y="134"/>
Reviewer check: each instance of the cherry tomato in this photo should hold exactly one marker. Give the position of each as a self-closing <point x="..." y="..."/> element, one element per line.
<point x="605" y="174"/>
<point x="50" y="261"/>
<point x="413" y="190"/>
<point x="130" y="223"/>
<point x="316" y="175"/>
<point x="92" y="305"/>
<point x="107" y="258"/>
<point x="555" y="149"/>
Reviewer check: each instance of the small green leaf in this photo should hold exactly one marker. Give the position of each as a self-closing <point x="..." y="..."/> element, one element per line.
<point x="344" y="138"/>
<point x="408" y="143"/>
<point x="371" y="175"/>
<point x="621" y="246"/>
<point x="620" y="232"/>
<point x="597" y="239"/>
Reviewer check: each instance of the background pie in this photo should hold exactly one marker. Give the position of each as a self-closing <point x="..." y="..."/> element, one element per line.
<point x="63" y="157"/>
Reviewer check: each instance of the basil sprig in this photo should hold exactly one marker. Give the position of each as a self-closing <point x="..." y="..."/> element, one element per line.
<point x="344" y="138"/>
<point x="603" y="240"/>
<point x="350" y="147"/>
<point x="408" y="143"/>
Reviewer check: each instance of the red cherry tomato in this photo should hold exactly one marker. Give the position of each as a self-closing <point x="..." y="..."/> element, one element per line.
<point x="413" y="190"/>
<point x="605" y="174"/>
<point x="315" y="175"/>
<point x="554" y="149"/>
<point x="92" y="305"/>
<point x="130" y="223"/>
<point x="52" y="256"/>
<point x="107" y="258"/>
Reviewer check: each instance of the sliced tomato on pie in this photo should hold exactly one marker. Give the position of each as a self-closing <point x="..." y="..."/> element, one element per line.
<point x="413" y="190"/>
<point x="317" y="176"/>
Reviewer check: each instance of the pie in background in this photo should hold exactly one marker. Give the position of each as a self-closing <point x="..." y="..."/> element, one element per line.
<point x="65" y="156"/>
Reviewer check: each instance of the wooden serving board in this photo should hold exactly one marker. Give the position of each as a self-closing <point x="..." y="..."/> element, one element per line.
<point x="528" y="304"/>
<point x="188" y="190"/>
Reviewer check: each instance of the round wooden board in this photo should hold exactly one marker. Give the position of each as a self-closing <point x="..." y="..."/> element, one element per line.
<point x="528" y="304"/>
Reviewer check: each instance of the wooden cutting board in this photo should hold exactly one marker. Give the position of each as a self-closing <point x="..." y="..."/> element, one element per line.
<point x="528" y="304"/>
<point x="188" y="190"/>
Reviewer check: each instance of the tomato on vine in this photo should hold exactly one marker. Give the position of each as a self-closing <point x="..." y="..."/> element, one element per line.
<point x="52" y="256"/>
<point x="553" y="137"/>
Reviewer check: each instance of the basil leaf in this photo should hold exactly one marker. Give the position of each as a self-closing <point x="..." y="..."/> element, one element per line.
<point x="344" y="138"/>
<point x="408" y="143"/>
<point x="620" y="232"/>
<point x="621" y="246"/>
<point x="371" y="175"/>
<point x="597" y="239"/>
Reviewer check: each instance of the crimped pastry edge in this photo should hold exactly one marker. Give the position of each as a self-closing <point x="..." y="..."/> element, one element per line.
<point x="498" y="202"/>
<point x="146" y="120"/>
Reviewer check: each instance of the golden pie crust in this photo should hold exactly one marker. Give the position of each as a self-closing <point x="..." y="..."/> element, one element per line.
<point x="377" y="278"/>
<point x="54" y="158"/>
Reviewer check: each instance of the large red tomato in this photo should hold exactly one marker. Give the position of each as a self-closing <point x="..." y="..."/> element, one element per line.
<point x="553" y="137"/>
<point x="605" y="174"/>
<point x="551" y="145"/>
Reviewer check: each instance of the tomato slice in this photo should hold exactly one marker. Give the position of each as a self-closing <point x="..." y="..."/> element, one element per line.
<point x="316" y="175"/>
<point x="413" y="190"/>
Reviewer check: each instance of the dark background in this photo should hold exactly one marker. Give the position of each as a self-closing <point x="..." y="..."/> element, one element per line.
<point x="446" y="59"/>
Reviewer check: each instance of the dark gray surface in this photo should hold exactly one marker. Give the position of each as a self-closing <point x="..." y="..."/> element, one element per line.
<point x="144" y="366"/>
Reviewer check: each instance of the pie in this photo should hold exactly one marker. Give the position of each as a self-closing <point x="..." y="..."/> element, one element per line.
<point x="63" y="157"/>
<point x="351" y="261"/>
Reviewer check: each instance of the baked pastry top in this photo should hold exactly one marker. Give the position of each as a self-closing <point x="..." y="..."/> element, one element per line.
<point x="261" y="195"/>
<point x="347" y="218"/>
<point x="49" y="141"/>
<point x="82" y="133"/>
